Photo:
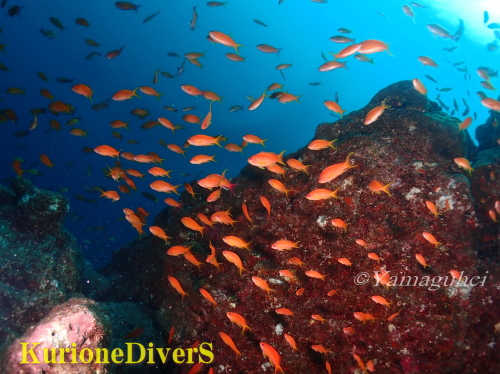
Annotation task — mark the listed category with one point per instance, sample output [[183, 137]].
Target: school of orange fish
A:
[[217, 183]]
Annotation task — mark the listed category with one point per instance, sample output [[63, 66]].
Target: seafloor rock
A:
[[75, 326], [39, 269], [486, 191], [488, 134], [429, 326]]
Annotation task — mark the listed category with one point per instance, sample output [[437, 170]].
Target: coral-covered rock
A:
[[79, 325], [430, 325]]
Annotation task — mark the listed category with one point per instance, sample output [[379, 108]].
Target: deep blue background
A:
[[301, 28]]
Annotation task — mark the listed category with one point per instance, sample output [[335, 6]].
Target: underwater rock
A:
[[80, 325], [38, 269], [37, 210], [429, 325], [488, 134], [486, 192]]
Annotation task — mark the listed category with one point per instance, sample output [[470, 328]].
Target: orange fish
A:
[[419, 86], [263, 159], [466, 123], [112, 195], [262, 284], [374, 256], [277, 185], [245, 212], [239, 320], [337, 222], [158, 232], [211, 258], [297, 165], [317, 317], [234, 241], [16, 165], [300, 291], [331, 65], [290, 340], [431, 239], [349, 331], [381, 300], [334, 107], [284, 311], [226, 339], [257, 102], [287, 274], [162, 186], [207, 121], [333, 171], [124, 95], [207, 296], [319, 144], [150, 91], [296, 261], [432, 208], [285, 245], [275, 86], [84, 90], [322, 194], [178, 250], [373, 46], [159, 172], [205, 140], [175, 148], [427, 61], [177, 286], [315, 274], [235, 259], [106, 150], [201, 159], [59, 106], [173, 203], [377, 187], [189, 189], [46, 161], [421, 260], [192, 225], [254, 139], [214, 196], [375, 113], [266, 48], [273, 355], [221, 38], [344, 261], [464, 164], [319, 348], [266, 205]]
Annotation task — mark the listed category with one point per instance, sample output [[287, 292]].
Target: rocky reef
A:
[[342, 297], [424, 328]]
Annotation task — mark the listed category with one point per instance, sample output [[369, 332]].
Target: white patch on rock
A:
[[278, 329], [322, 221], [411, 195]]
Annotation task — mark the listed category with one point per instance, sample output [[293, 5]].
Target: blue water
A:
[[301, 28]]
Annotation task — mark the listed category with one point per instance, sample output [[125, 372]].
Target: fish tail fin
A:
[[278, 51], [236, 46], [386, 189], [134, 92], [348, 164], [280, 158]]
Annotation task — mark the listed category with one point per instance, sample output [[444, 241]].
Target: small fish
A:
[[449, 49], [494, 26], [314, 83], [48, 33], [149, 18], [172, 54], [177, 286], [235, 108], [57, 23], [194, 19], [125, 5], [149, 196], [258, 22], [486, 17], [444, 89], [64, 80], [91, 55]]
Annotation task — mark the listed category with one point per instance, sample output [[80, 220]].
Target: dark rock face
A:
[[439, 328], [488, 134], [41, 265]]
